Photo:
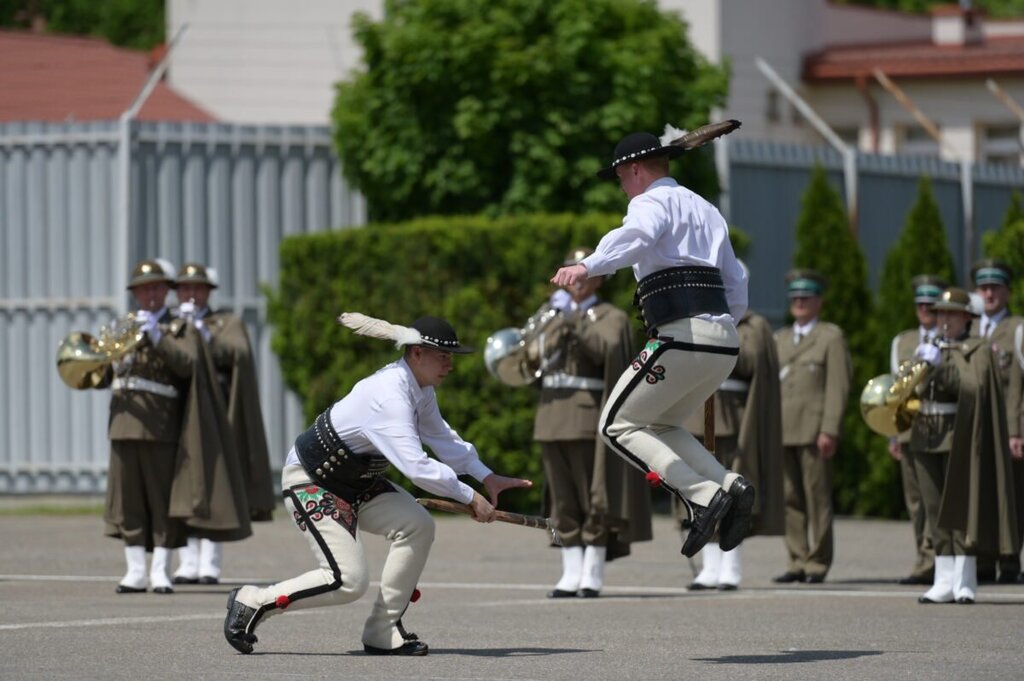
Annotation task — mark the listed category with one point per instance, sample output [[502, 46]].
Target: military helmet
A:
[[150, 271], [954, 299], [194, 273]]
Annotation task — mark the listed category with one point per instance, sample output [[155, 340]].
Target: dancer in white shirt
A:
[[691, 291], [334, 477]]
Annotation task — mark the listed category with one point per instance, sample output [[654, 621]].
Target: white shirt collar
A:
[[806, 328], [414, 387], [994, 319], [586, 304]]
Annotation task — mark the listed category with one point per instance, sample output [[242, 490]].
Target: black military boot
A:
[[736, 523], [240, 624], [705, 520]]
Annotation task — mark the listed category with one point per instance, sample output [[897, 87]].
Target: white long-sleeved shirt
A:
[[390, 413], [670, 226]]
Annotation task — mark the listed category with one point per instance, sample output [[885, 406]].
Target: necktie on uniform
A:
[[797, 337]]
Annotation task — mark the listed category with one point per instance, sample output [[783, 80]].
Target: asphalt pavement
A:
[[484, 613]]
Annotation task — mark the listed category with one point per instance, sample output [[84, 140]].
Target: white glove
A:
[[203, 330], [150, 324], [929, 353], [187, 310], [561, 300]]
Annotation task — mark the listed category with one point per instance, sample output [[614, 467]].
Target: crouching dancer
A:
[[333, 479], [691, 292]]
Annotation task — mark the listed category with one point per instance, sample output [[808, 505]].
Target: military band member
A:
[[228, 342], [927, 289], [599, 504], [964, 465], [815, 376], [333, 479], [992, 280], [148, 389], [691, 291], [748, 440]]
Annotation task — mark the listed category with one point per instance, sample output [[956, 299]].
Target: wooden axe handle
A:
[[503, 516]]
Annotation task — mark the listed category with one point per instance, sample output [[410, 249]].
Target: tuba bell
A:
[[519, 356], [889, 403], [83, 359]]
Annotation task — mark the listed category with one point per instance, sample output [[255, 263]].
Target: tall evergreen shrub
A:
[[1007, 243]]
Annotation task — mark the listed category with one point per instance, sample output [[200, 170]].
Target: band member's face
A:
[[151, 296], [197, 293], [953, 323], [926, 315], [585, 288], [996, 296], [804, 308], [429, 365]]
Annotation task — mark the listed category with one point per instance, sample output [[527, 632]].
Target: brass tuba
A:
[[890, 402], [83, 359], [518, 357]]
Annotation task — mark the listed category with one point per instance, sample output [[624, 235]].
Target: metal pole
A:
[[849, 154], [123, 233]]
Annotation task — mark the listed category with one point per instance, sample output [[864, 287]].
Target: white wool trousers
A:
[[670, 379], [341, 573]]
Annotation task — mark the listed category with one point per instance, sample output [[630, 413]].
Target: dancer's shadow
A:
[[790, 657], [469, 652]]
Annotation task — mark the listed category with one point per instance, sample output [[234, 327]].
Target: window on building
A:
[[915, 141], [771, 106], [1001, 143], [849, 134]]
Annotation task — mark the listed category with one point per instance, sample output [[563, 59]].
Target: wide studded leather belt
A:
[[331, 464], [680, 292]]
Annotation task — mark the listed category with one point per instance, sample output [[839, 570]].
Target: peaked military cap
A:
[[634, 147], [928, 288], [150, 271], [954, 299], [991, 271], [803, 283], [194, 273]]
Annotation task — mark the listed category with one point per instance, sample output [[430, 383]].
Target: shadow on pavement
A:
[[471, 652], [790, 657]]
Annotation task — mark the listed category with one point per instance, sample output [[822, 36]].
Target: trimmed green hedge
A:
[[481, 274]]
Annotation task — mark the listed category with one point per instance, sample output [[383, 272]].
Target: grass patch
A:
[[30, 509]]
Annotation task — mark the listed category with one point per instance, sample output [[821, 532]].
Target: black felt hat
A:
[[438, 333], [634, 147]]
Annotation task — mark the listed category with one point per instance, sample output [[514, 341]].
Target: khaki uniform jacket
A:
[[978, 497], [140, 415], [597, 344], [1005, 342], [815, 377], [236, 370]]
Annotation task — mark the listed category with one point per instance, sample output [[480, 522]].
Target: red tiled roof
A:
[[59, 78], [918, 60]]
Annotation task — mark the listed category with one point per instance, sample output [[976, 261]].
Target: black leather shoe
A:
[[561, 593], [790, 576], [589, 593], [736, 524], [416, 648], [1007, 578], [185, 580], [814, 579], [727, 587], [122, 589], [209, 580], [915, 579], [964, 600], [239, 624], [705, 521], [697, 586], [163, 590]]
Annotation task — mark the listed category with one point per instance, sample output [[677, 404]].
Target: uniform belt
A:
[[929, 408], [561, 379], [735, 385], [143, 385]]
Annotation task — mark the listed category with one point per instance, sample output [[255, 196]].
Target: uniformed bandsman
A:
[[964, 464], [815, 373], [599, 504], [927, 289], [1004, 331]]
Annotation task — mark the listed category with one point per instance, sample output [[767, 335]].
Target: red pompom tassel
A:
[[283, 602], [415, 596], [653, 479]]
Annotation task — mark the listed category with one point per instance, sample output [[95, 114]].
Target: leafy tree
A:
[[865, 477], [129, 23], [1007, 243], [994, 8], [921, 249], [512, 106]]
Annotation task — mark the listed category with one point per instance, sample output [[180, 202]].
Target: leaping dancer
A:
[[333, 479]]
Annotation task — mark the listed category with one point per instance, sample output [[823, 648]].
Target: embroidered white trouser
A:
[[342, 573], [669, 380]]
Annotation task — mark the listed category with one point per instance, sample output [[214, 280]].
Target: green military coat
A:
[[815, 377]]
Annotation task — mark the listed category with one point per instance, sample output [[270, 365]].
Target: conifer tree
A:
[[865, 480], [921, 249], [1007, 244]]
